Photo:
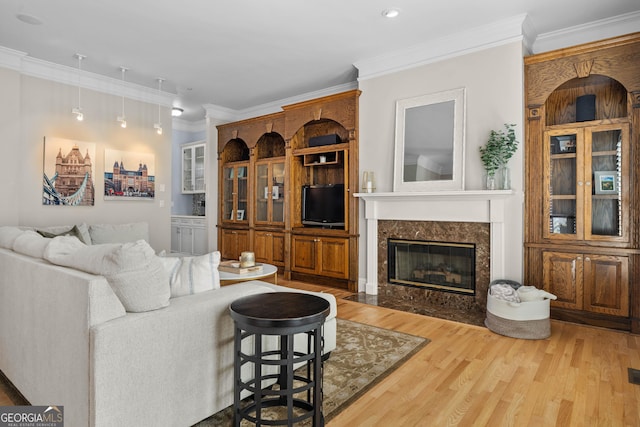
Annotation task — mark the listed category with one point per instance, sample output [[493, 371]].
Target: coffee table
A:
[[284, 314], [269, 273]]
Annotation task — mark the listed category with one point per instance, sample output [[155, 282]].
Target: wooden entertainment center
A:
[[265, 162]]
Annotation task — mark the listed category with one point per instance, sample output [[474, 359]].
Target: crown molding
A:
[[585, 33], [475, 39], [11, 59], [229, 115], [32, 67]]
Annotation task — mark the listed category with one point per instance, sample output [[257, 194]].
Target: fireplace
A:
[[475, 217], [436, 265]]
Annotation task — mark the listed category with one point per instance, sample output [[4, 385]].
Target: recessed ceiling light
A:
[[29, 19], [390, 13]]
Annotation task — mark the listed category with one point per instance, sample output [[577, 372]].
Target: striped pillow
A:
[[191, 275]]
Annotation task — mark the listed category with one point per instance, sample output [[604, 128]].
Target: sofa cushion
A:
[[132, 269], [52, 232], [8, 236], [191, 275], [119, 233], [30, 243]]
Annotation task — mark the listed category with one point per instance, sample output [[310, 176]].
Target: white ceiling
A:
[[242, 53]]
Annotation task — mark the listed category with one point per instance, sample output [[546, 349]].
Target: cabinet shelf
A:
[[325, 158], [563, 197]]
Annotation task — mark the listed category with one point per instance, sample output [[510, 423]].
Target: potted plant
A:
[[495, 154]]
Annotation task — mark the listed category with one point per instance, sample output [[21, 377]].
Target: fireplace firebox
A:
[[441, 266]]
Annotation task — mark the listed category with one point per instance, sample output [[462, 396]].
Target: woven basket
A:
[[527, 320]]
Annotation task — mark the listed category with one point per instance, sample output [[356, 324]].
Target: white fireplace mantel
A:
[[454, 206]]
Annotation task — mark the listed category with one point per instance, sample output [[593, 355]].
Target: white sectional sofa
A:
[[67, 339]]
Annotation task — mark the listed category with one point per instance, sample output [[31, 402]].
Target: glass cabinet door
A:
[[235, 190], [586, 182], [187, 171], [263, 192], [270, 192], [227, 193], [562, 200], [277, 192], [605, 167], [198, 168], [242, 194]]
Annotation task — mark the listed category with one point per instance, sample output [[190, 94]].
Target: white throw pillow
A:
[[132, 269], [8, 236], [191, 275], [30, 243], [65, 230], [119, 233]]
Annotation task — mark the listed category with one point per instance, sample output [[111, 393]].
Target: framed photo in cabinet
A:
[[566, 144], [605, 182], [240, 215], [561, 224]]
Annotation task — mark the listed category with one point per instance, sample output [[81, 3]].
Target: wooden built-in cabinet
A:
[[280, 157], [582, 181]]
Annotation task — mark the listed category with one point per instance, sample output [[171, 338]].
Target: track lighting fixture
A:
[[78, 110], [122, 119], [158, 126]]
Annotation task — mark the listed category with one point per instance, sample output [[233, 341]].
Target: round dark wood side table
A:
[[283, 314]]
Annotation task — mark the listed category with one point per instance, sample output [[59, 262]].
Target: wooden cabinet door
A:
[[562, 276], [334, 257], [304, 256], [233, 242], [262, 246], [606, 284], [277, 247], [269, 247]]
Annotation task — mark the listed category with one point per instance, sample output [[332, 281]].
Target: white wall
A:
[[45, 111], [493, 79], [11, 144]]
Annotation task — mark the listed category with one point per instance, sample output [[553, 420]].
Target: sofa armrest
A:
[[45, 315]]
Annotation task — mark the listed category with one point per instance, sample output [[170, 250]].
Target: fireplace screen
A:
[[437, 265]]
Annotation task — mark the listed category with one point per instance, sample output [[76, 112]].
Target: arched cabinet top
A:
[[234, 150], [250, 130], [616, 58], [341, 108]]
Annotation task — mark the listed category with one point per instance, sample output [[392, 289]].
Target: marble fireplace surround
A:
[[479, 206]]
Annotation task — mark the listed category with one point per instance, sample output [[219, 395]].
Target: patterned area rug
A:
[[364, 355]]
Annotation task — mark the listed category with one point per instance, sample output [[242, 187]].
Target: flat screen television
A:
[[323, 205]]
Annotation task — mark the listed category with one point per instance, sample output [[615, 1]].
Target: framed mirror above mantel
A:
[[430, 140]]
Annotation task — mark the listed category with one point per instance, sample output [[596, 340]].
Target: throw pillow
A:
[[8, 236], [30, 243], [191, 275], [73, 231], [119, 233], [132, 269]]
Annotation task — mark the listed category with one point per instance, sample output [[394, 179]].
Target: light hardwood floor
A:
[[469, 376]]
